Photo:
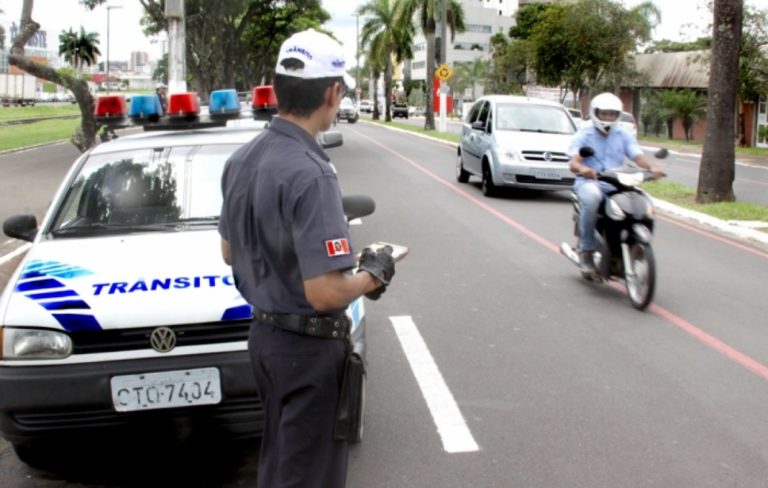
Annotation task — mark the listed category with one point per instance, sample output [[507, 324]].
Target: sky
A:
[[681, 20]]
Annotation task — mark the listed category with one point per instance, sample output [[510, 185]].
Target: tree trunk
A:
[[429, 121], [717, 169], [388, 89], [85, 137], [376, 112]]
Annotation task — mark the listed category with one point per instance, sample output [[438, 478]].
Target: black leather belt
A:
[[323, 326]]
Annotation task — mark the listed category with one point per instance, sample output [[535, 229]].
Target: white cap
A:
[[323, 57]]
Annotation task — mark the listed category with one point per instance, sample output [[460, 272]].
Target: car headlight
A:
[[34, 344], [508, 155], [613, 210]]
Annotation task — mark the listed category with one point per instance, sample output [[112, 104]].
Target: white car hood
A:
[[533, 141], [129, 281]]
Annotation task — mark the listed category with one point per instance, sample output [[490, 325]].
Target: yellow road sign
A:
[[444, 72]]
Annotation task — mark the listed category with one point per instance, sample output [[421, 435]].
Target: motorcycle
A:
[[623, 233]]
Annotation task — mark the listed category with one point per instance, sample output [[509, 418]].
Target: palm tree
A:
[[79, 49], [428, 12], [386, 36], [687, 105]]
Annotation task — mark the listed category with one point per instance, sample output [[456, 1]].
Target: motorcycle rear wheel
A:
[[640, 287]]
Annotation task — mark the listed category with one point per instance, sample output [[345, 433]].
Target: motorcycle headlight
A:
[[34, 344], [613, 211]]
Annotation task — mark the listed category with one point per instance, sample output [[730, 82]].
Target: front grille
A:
[[108, 417], [565, 182], [554, 157], [93, 341]]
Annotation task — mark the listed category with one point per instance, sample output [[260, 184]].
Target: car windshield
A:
[[144, 189], [626, 117], [533, 118], [347, 103]]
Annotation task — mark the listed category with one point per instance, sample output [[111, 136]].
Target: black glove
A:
[[380, 265]]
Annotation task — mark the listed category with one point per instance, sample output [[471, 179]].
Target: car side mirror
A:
[[330, 139], [356, 206], [477, 125], [22, 227], [661, 153]]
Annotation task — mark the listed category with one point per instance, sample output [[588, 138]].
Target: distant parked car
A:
[[626, 122], [399, 110], [347, 111], [366, 106]]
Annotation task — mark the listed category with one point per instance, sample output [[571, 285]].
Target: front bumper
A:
[[535, 175], [57, 402]]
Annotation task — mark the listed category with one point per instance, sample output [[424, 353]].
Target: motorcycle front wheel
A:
[[642, 281]]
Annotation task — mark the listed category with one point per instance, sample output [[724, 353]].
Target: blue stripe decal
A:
[[77, 322], [66, 305], [31, 274], [52, 294], [39, 285], [238, 313]]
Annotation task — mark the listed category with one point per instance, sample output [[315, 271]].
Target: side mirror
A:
[[661, 153], [22, 227], [356, 206], [330, 139], [586, 152], [477, 125]]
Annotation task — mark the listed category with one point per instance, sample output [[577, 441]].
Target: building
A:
[[483, 19], [139, 62]]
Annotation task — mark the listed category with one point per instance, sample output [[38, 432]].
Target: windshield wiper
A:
[[98, 228]]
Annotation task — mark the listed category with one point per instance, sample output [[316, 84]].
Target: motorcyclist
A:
[[612, 145]]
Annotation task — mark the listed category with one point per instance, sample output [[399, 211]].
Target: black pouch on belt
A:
[[349, 410]]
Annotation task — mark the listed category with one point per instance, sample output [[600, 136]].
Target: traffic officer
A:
[[285, 234]]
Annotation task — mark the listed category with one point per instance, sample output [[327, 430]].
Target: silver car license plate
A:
[[548, 175], [167, 389]]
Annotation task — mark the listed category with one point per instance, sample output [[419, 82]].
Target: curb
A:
[[728, 227]]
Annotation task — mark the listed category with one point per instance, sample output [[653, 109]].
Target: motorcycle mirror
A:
[[586, 152], [661, 153], [356, 206]]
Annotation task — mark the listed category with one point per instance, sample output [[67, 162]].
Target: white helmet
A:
[[605, 101]]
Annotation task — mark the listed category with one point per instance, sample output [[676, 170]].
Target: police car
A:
[[123, 309]]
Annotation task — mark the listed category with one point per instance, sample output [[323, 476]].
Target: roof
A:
[[519, 99], [675, 70], [197, 137]]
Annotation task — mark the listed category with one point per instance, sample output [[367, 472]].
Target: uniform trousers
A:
[[298, 378]]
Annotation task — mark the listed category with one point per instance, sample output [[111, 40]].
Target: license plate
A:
[[548, 175], [167, 389]]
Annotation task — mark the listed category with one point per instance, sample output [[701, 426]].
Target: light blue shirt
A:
[[610, 152]]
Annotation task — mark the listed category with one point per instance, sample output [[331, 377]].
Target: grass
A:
[[23, 135], [20, 113], [685, 196]]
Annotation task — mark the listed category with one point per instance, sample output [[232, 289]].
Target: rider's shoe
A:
[[587, 264]]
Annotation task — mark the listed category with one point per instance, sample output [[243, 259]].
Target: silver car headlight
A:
[[35, 344], [508, 155], [613, 211]]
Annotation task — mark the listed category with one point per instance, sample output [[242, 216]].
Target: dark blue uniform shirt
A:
[[283, 218]]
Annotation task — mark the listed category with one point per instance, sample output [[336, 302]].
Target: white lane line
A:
[[450, 424], [7, 257]]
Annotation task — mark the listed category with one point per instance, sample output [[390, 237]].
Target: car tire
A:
[[489, 189], [462, 176], [35, 456]]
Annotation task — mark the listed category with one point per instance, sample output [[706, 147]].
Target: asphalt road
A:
[[491, 363]]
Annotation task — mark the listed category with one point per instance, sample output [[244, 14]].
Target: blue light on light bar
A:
[[224, 102], [145, 107]]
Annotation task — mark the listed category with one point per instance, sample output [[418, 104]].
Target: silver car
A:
[[521, 142]]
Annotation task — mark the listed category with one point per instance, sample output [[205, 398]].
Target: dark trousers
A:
[[298, 378]]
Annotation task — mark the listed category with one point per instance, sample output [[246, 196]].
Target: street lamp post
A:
[[358, 89], [109, 8]]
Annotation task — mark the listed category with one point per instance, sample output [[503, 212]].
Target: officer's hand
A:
[[381, 265]]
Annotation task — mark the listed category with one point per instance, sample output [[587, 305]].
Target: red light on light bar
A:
[[183, 104], [264, 97], [110, 106]]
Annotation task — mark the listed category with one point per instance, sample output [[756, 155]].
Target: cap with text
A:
[[323, 57]]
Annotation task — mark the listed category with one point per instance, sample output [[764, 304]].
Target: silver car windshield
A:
[[144, 189], [533, 118]]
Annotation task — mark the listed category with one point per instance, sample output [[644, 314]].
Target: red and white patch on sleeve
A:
[[337, 247]]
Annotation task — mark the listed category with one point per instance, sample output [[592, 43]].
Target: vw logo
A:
[[162, 339], [547, 156]]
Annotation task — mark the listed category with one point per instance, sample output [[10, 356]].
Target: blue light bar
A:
[[145, 107], [224, 103]]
